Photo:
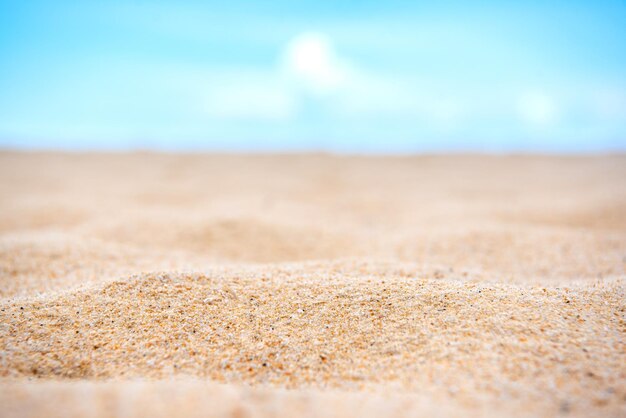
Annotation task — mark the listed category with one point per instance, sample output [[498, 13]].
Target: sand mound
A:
[[338, 327], [44, 262], [439, 286]]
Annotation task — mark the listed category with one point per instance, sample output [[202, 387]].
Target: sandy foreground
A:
[[312, 285]]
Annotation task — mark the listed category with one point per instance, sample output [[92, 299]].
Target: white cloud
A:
[[310, 61], [310, 66], [537, 108]]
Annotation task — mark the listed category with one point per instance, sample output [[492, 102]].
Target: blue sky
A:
[[313, 75]]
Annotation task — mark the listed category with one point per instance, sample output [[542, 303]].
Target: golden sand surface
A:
[[147, 284]]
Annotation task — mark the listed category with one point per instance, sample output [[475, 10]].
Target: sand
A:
[[147, 284]]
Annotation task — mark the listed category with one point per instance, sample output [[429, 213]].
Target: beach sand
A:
[[147, 284]]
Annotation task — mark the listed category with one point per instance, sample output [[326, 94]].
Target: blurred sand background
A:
[[313, 285]]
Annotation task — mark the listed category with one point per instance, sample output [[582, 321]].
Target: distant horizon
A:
[[313, 151]]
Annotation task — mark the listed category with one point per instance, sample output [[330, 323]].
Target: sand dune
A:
[[221, 285]]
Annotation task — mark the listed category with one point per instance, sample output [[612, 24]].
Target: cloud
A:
[[311, 74], [308, 69], [310, 62], [537, 108]]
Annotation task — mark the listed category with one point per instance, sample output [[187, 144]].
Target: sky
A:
[[342, 76]]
